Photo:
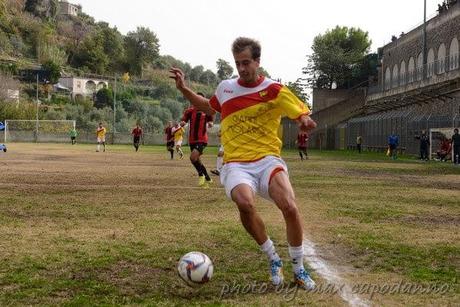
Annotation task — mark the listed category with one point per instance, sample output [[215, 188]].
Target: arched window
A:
[[395, 82], [419, 66], [402, 73], [441, 59], [411, 70], [387, 78], [430, 63], [101, 85], [453, 54], [90, 87]]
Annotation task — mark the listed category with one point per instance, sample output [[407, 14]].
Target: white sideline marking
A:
[[330, 275]]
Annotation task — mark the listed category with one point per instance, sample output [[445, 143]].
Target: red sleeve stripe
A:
[[215, 104]]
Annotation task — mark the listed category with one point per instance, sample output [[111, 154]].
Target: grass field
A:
[[84, 228]]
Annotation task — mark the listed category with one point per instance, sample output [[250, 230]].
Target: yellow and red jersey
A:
[[178, 133], [251, 116], [100, 132]]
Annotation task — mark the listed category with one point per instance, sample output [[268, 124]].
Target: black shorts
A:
[[72, 137], [198, 146], [136, 139], [170, 145]]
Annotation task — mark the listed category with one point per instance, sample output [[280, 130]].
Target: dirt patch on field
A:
[[453, 220]]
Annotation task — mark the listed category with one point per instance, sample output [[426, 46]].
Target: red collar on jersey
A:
[[253, 84]]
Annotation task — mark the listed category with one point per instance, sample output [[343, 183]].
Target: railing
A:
[[438, 67]]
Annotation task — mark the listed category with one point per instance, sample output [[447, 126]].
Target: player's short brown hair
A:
[[241, 43]]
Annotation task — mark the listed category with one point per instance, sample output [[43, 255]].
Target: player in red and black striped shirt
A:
[[169, 139], [198, 140], [302, 142]]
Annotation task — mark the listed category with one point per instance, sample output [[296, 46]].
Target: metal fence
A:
[[407, 124]]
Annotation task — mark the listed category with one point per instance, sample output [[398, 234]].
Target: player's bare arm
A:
[[306, 124], [199, 102]]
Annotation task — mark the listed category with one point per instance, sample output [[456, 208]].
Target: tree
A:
[[299, 89], [208, 77], [142, 47], [335, 55], [263, 72], [224, 70], [91, 54], [104, 98], [42, 8], [53, 71], [196, 72], [113, 46]]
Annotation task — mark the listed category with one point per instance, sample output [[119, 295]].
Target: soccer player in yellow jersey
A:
[[100, 134], [178, 132], [251, 108]]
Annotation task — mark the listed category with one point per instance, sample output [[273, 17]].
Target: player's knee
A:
[[288, 205], [245, 205]]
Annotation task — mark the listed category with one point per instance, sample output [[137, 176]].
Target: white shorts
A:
[[255, 174], [178, 143], [101, 140]]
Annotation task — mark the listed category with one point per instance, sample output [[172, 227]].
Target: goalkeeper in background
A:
[[73, 135]]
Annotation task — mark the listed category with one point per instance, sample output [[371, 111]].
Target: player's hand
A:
[[306, 124], [178, 76]]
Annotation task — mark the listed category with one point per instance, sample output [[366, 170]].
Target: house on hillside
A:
[[81, 87], [66, 8]]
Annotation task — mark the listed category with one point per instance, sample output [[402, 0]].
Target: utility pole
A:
[[114, 109], [424, 65], [36, 121]]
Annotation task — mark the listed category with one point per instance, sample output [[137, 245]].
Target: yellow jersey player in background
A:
[[251, 108], [100, 134], [178, 133]]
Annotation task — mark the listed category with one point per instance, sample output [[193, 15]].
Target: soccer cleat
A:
[[201, 181], [276, 272], [304, 281], [215, 172], [209, 181]]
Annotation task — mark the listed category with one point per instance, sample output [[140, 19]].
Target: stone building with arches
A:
[[412, 94], [83, 87]]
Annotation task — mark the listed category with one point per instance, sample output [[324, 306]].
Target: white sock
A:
[[296, 254], [269, 248], [220, 161], [98, 147]]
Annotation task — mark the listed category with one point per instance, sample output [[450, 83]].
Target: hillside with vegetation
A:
[[36, 39]]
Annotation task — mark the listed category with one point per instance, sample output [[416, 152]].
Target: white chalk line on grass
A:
[[331, 275]]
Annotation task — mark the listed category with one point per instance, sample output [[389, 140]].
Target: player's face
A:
[[246, 66]]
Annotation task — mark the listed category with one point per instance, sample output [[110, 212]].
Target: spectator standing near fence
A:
[[393, 143], [456, 147], [359, 141], [424, 145]]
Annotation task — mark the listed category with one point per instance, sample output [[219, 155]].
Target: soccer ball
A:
[[195, 268]]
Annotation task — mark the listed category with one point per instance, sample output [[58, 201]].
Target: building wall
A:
[[324, 98], [66, 8], [441, 29], [328, 119], [79, 86]]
